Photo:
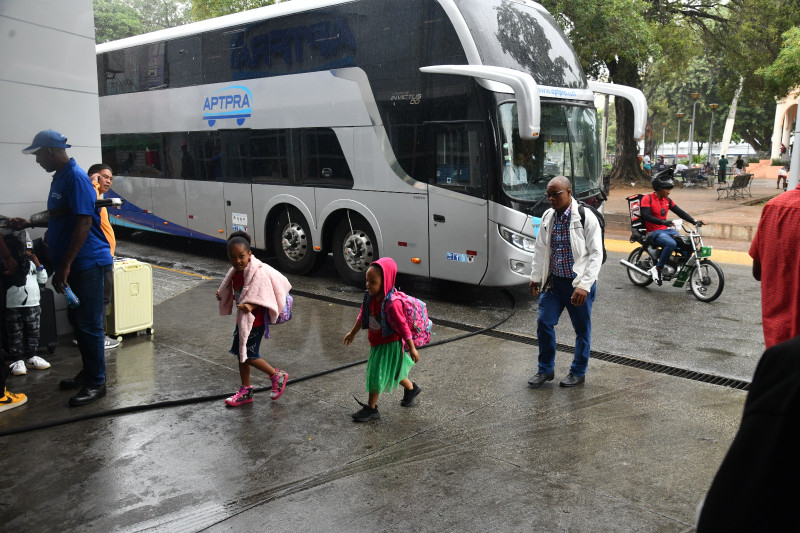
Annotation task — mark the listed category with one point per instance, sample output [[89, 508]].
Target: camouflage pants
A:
[[22, 328]]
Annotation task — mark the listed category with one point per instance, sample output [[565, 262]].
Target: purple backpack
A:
[[416, 314], [286, 313]]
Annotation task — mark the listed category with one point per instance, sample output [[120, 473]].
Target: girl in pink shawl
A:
[[388, 363], [260, 294]]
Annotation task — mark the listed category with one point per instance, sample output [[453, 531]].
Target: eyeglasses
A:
[[555, 194]]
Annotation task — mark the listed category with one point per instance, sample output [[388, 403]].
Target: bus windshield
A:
[[568, 145]]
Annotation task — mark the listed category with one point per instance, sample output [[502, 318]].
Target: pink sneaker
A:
[[243, 396], [278, 383]]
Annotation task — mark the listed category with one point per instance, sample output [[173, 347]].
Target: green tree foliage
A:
[[750, 41], [783, 74], [206, 9], [117, 19]]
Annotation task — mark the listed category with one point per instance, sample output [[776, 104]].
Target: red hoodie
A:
[[394, 310]]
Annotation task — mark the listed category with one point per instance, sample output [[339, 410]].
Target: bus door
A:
[[457, 206]]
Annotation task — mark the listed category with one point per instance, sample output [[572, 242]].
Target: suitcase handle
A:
[[128, 267]]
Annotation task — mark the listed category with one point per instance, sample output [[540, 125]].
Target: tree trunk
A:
[[626, 163]]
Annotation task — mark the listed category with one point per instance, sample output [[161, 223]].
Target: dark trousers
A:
[[22, 328], [87, 319], [721, 175]]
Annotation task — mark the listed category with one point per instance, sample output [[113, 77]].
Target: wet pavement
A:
[[630, 450]]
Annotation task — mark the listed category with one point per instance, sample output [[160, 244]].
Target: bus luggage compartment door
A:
[[458, 240]]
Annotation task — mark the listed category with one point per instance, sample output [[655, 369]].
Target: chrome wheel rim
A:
[[294, 241], [357, 250]]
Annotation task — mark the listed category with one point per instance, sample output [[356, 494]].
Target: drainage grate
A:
[[625, 360]]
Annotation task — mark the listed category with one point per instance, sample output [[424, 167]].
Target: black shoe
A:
[[88, 394], [409, 395], [71, 383], [538, 380], [366, 413], [571, 380]]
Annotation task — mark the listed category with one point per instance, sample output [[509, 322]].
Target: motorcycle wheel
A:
[[642, 259], [707, 281]]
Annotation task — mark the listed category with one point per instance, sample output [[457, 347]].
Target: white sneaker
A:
[[656, 275], [18, 368], [111, 343], [37, 362]]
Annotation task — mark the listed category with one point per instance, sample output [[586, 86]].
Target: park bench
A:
[[693, 177], [738, 188]]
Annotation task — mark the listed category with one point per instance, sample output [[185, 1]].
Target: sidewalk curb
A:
[[728, 257]]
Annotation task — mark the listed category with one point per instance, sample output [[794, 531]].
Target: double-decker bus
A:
[[423, 130]]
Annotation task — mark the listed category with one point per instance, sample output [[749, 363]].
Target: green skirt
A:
[[387, 366]]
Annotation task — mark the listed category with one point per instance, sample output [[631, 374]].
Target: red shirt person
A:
[[774, 253]]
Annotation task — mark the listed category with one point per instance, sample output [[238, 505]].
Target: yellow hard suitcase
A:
[[132, 302]]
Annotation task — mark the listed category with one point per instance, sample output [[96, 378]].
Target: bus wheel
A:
[[291, 240], [354, 248]]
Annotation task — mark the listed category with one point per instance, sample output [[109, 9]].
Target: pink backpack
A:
[[416, 313]]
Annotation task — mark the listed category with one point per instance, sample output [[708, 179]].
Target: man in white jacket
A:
[[566, 262]]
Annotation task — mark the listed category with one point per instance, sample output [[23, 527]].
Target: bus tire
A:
[[354, 248], [291, 241]]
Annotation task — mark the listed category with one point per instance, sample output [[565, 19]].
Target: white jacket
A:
[[27, 295], [586, 244]]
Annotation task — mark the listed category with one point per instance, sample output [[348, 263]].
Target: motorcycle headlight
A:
[[523, 242]]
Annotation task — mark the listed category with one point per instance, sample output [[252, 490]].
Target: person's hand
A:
[[218, 296], [59, 278], [413, 351], [534, 288], [699, 223], [247, 308], [32, 257], [578, 297], [17, 223], [348, 339]]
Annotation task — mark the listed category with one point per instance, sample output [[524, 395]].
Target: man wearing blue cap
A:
[[81, 257]]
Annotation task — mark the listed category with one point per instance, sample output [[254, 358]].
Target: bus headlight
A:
[[523, 242]]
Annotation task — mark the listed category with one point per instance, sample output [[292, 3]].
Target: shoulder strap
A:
[[582, 213]]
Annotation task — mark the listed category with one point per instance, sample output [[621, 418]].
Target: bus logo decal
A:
[[233, 102]]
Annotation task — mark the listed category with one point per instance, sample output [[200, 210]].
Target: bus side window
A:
[[323, 161], [458, 159], [269, 156]]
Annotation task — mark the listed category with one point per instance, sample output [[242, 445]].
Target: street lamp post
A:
[[678, 138], [694, 96], [663, 134], [711, 129]]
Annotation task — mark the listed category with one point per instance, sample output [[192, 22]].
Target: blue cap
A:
[[46, 139]]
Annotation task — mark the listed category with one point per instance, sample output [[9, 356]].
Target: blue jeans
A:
[[664, 238], [551, 305], [87, 319]]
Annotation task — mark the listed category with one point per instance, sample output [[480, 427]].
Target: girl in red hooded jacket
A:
[[388, 363]]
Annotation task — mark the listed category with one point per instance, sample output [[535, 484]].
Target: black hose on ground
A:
[[214, 397]]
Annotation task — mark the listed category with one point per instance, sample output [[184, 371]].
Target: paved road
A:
[[659, 324]]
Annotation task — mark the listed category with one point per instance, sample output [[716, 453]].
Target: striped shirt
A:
[[561, 260]]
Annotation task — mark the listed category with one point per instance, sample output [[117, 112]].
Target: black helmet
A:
[[662, 181]]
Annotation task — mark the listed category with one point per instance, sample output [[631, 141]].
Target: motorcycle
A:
[[689, 263]]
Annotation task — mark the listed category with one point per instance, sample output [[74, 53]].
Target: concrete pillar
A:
[[777, 129]]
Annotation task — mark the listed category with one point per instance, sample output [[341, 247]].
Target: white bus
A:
[[422, 130]]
